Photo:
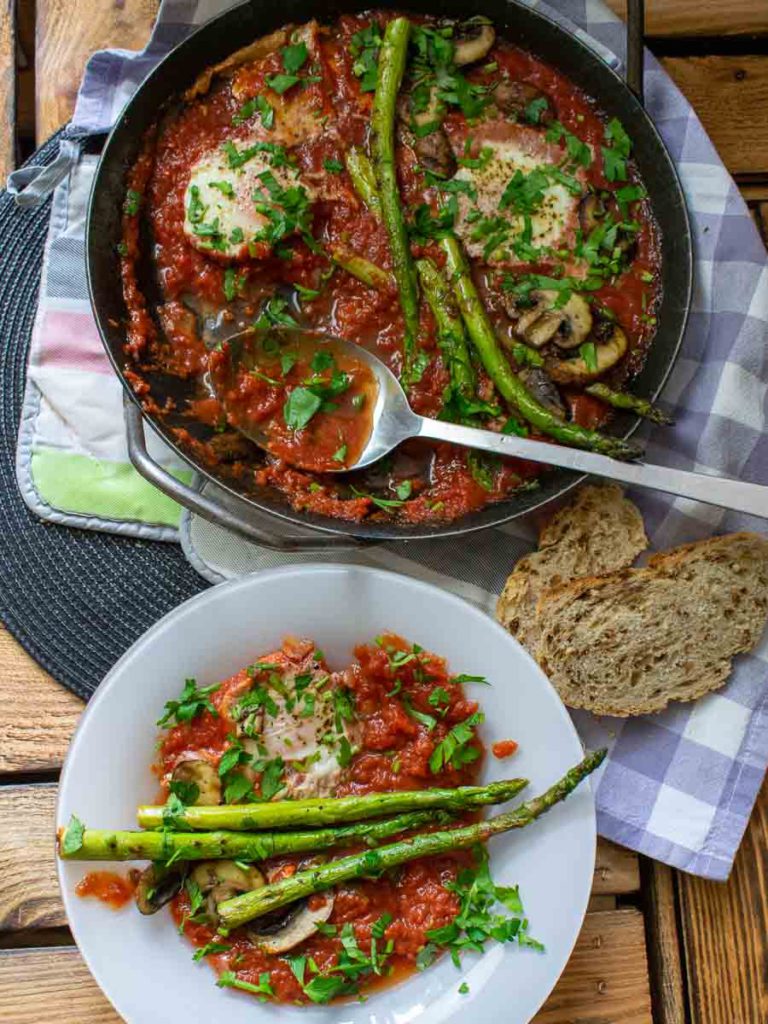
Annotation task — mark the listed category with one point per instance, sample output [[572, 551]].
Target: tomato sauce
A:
[[107, 886], [319, 121]]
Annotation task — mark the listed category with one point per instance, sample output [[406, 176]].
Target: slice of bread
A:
[[597, 532], [631, 642]]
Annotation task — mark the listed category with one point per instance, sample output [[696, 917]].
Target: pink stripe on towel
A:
[[69, 340]]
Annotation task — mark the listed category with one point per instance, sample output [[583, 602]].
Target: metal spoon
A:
[[393, 421]]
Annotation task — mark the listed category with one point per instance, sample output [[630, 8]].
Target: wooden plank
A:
[[37, 715], [606, 979], [665, 18], [600, 988], [68, 31], [45, 984], [664, 943], [29, 895], [7, 88], [725, 929], [616, 869], [728, 93]]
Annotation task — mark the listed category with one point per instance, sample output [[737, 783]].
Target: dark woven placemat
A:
[[75, 599]]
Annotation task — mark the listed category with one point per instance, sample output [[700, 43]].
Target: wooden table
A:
[[657, 946]]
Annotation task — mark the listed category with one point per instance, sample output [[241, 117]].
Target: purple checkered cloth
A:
[[677, 786]]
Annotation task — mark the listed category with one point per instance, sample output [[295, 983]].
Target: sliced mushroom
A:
[[220, 880], [608, 351], [433, 150], [204, 776], [592, 210], [513, 98], [473, 41], [157, 886], [567, 325], [541, 387], [281, 935]]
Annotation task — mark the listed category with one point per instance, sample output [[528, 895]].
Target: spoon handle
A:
[[724, 492]]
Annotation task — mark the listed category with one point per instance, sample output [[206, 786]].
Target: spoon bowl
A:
[[387, 420]]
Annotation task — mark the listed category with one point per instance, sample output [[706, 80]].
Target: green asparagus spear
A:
[[237, 911], [450, 329], [364, 270], [623, 400], [331, 811], [98, 844], [392, 60], [360, 170], [510, 386]]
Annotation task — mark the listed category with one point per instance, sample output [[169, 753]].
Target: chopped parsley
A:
[[616, 153], [294, 56], [486, 911], [333, 166], [364, 47], [209, 949], [428, 721], [455, 749], [588, 353], [404, 489], [282, 83], [275, 313], [225, 187], [233, 282], [228, 979], [340, 454], [288, 210], [257, 105], [72, 840], [533, 111], [237, 158], [132, 203], [578, 152], [191, 703], [301, 406]]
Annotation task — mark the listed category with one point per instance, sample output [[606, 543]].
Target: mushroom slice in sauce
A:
[[157, 886], [220, 880], [567, 325], [608, 352], [294, 928], [473, 41], [204, 776], [513, 98]]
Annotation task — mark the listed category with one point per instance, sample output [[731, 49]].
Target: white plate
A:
[[142, 964]]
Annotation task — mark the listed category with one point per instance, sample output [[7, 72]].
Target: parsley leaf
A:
[[72, 840], [426, 720], [228, 979], [334, 166], [132, 202], [455, 749], [301, 406], [258, 104], [294, 56], [588, 353], [191, 703], [282, 83], [364, 47], [208, 949]]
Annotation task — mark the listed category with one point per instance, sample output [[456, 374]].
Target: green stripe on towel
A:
[[106, 490]]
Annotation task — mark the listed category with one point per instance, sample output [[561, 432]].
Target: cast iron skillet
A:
[[238, 26]]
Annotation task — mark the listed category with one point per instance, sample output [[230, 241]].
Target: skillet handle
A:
[[635, 39], [203, 506]]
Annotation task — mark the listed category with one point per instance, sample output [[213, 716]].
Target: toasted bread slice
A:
[[631, 642], [597, 532]]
